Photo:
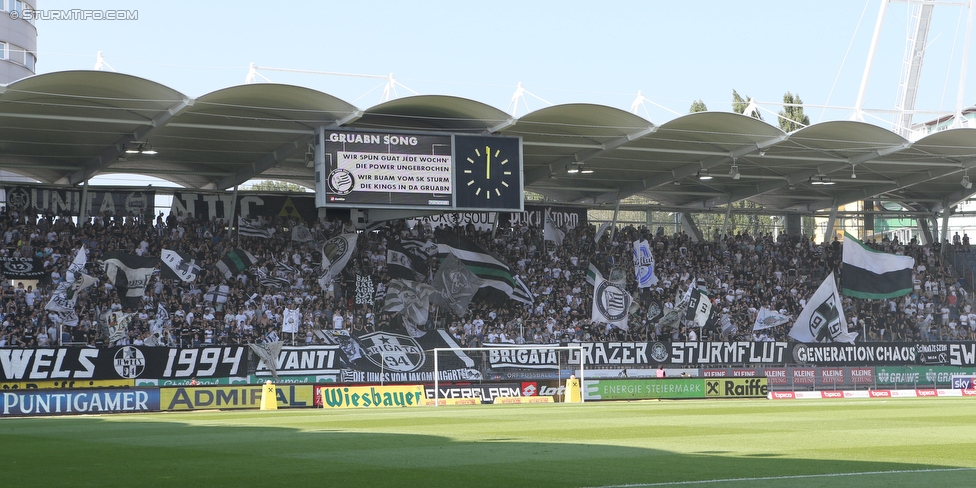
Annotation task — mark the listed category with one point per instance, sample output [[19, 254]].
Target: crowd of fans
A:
[[741, 272]]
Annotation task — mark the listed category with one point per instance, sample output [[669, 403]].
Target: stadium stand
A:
[[741, 273]]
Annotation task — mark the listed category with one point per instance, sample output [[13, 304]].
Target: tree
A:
[[791, 118], [697, 106], [739, 105], [274, 185]]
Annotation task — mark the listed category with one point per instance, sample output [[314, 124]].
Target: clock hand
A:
[[487, 163]]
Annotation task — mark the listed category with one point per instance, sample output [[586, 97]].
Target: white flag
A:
[[301, 233], [335, 255], [290, 320], [644, 264], [822, 320], [699, 308], [599, 232], [611, 303], [552, 233], [767, 319]]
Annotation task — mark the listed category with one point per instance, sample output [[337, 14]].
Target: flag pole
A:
[[233, 217]]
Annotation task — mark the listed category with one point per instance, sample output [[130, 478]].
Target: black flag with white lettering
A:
[[130, 274]]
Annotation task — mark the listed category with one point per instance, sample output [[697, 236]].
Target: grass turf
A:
[[836, 443]]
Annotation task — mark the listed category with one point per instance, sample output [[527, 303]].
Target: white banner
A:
[[401, 173]]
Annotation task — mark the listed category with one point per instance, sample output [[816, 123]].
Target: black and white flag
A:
[[699, 308], [179, 265], [217, 294], [364, 290], [271, 281], [456, 285], [412, 301], [404, 264], [335, 255], [65, 297], [284, 266], [301, 233], [130, 274], [611, 302], [249, 228], [822, 319]]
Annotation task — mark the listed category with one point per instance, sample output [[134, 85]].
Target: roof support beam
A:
[[502, 126], [688, 170], [110, 154], [900, 184], [562, 164], [263, 163], [238, 128], [71, 118], [799, 177]]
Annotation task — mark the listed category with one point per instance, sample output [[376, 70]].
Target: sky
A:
[[561, 52]]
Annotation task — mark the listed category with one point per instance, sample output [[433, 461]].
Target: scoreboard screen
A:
[[426, 171]]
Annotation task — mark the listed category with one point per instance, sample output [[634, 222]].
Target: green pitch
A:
[[753, 443]]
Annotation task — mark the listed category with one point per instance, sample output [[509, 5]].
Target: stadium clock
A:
[[489, 172]]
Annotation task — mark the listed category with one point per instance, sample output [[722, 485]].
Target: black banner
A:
[[536, 357], [130, 362], [534, 215], [836, 354], [60, 201], [21, 268], [739, 352], [400, 358], [962, 353], [249, 205], [933, 353], [391, 357]]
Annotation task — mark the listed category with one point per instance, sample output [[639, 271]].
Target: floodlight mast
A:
[[576, 347]]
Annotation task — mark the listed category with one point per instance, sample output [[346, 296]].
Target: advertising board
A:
[[232, 397]]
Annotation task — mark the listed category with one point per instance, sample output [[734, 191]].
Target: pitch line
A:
[[791, 477]]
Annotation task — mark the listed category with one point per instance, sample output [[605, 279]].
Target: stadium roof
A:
[[63, 128]]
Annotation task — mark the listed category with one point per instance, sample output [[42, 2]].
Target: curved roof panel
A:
[[65, 127], [432, 113]]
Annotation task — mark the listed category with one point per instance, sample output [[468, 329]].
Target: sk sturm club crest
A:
[[18, 198], [129, 362], [612, 301], [136, 202], [393, 352], [659, 352]]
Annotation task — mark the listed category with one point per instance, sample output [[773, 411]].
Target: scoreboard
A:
[[424, 171]]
